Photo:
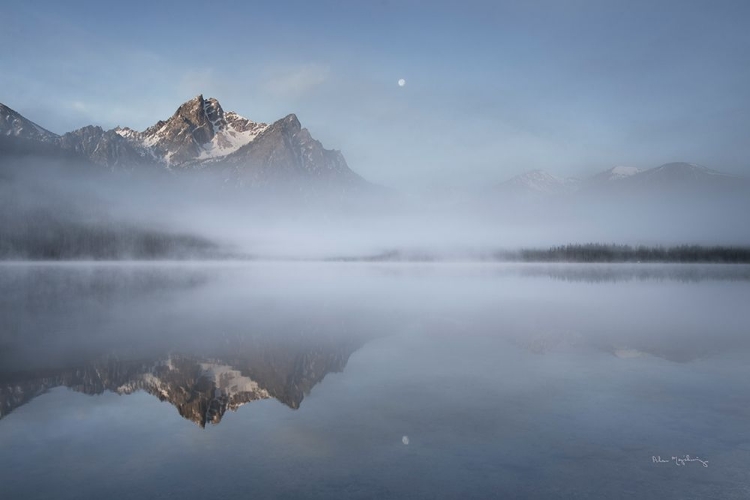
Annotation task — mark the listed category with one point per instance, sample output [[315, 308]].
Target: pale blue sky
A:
[[493, 88]]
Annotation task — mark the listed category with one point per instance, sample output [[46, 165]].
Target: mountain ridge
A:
[[13, 124], [200, 135], [668, 176]]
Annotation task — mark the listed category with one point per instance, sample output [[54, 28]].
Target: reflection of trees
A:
[[648, 272]]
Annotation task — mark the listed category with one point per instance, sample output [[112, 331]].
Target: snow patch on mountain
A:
[[227, 140], [620, 172], [539, 181], [128, 133], [230, 381]]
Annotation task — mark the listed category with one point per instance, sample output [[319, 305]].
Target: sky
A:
[[492, 89]]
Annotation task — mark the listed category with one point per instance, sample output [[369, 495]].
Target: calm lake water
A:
[[302, 380]]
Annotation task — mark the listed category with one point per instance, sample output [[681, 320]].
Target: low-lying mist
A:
[[64, 210]]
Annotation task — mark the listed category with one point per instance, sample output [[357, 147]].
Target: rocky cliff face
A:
[[285, 152], [105, 147]]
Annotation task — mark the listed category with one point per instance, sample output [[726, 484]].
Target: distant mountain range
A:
[[199, 135], [670, 177]]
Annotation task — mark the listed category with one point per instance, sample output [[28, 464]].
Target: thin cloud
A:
[[298, 81]]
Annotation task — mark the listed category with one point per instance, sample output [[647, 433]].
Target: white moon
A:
[[401, 82], [405, 439]]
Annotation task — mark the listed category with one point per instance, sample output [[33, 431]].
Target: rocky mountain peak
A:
[[196, 110], [108, 148], [291, 122], [200, 134], [285, 153], [14, 124], [198, 130]]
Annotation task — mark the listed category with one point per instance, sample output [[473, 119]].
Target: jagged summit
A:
[[201, 135], [198, 130]]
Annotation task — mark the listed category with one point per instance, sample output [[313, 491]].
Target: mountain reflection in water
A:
[[201, 388], [508, 381], [211, 338], [185, 334]]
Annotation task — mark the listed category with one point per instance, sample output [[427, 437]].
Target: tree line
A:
[[597, 252]]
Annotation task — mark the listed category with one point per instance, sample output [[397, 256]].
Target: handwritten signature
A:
[[678, 461]]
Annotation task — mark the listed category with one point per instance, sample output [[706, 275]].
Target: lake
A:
[[359, 380]]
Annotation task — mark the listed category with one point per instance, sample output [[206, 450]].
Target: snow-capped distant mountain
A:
[[615, 174], [607, 179], [670, 177], [620, 172], [681, 171], [12, 124], [679, 177], [538, 181]]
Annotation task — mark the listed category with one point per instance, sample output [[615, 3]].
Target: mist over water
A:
[[57, 210], [273, 325], [375, 250]]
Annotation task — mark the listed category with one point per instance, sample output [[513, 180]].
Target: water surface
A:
[[284, 380]]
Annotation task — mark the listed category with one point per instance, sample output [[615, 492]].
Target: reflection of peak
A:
[[201, 388], [201, 392]]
